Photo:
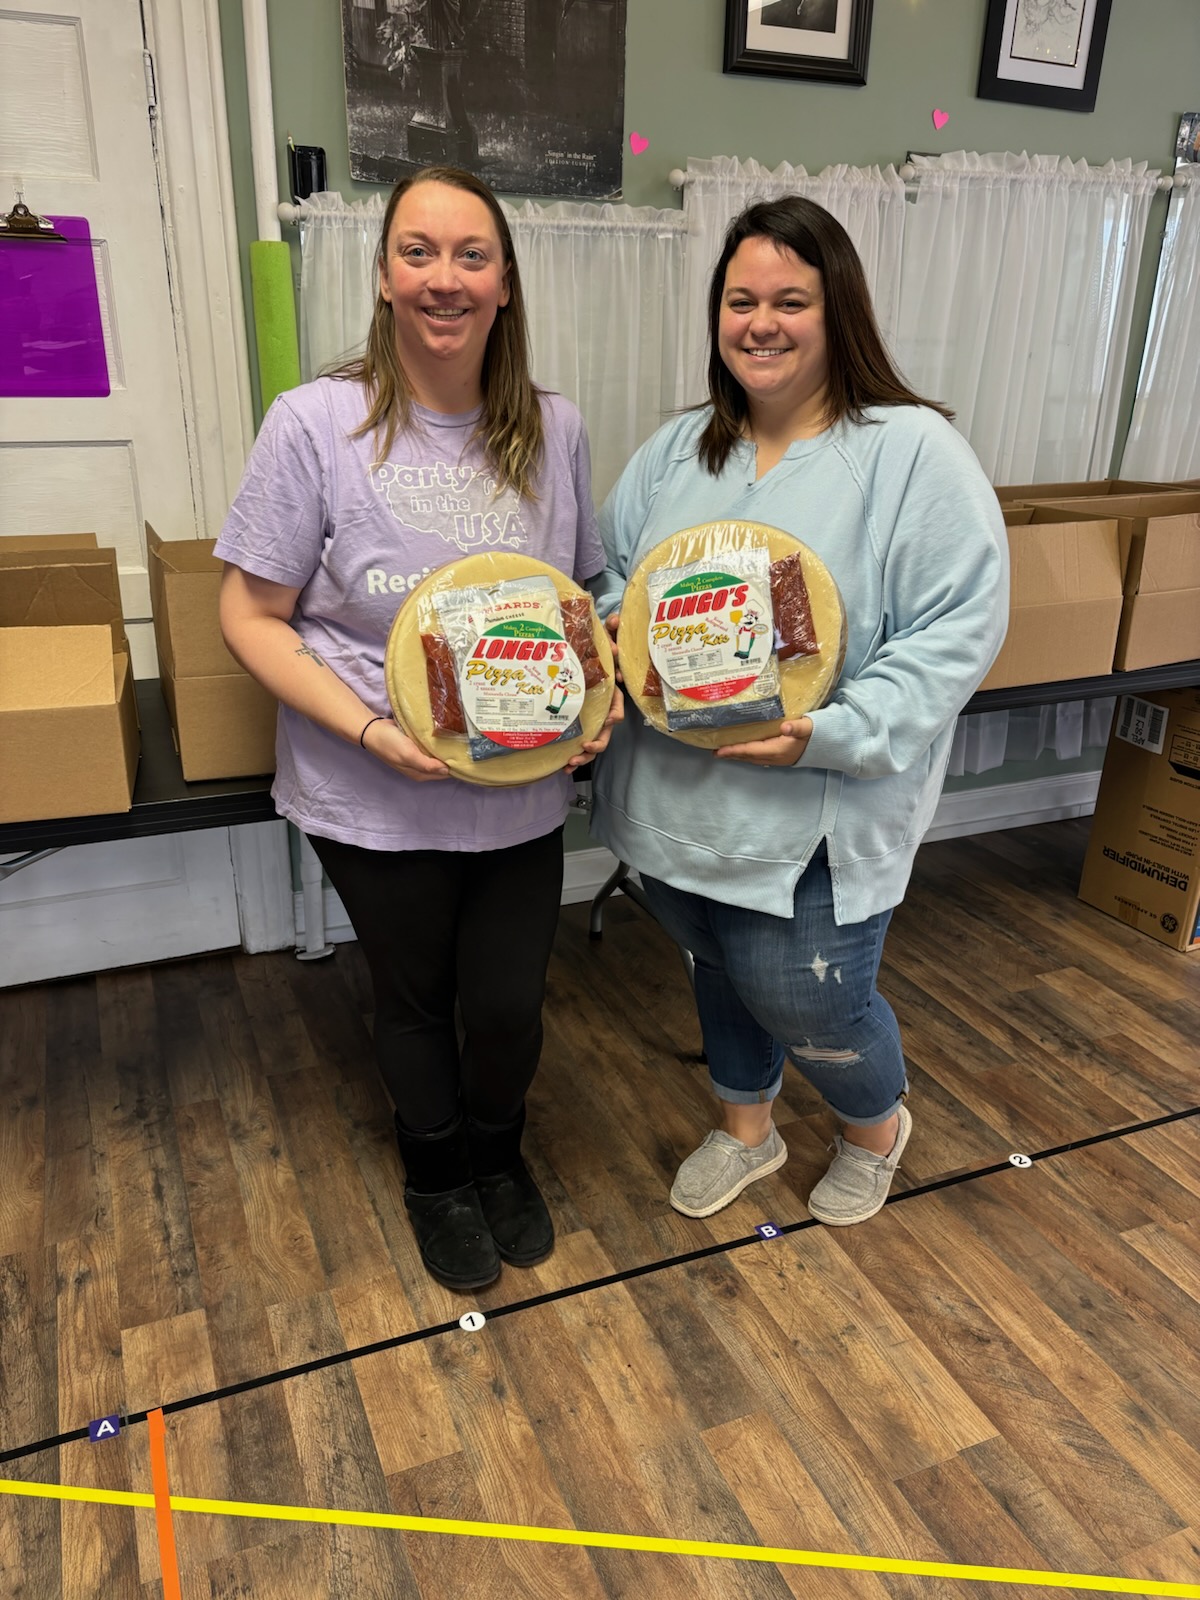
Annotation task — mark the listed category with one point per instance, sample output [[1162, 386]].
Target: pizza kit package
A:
[[729, 629], [518, 679], [498, 666], [1143, 856], [711, 641]]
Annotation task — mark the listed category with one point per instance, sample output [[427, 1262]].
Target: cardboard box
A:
[[1143, 858], [1160, 552], [68, 713], [1065, 598], [1011, 493], [222, 720]]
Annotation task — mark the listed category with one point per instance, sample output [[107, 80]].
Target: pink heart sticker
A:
[[637, 144], [940, 119]]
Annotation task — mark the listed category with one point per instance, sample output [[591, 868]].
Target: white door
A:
[[78, 128]]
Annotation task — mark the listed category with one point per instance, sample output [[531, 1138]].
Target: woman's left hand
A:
[[596, 746], [784, 750]]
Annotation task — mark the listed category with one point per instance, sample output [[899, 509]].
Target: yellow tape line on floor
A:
[[612, 1541]]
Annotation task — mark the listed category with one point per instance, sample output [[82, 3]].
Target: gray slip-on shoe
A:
[[721, 1168]]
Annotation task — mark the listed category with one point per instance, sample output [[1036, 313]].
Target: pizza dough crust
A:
[[806, 681], [405, 675]]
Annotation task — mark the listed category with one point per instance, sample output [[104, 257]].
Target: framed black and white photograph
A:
[[824, 41], [1044, 52], [1187, 141], [527, 94]]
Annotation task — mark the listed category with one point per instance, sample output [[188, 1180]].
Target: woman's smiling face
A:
[[445, 278], [771, 330]]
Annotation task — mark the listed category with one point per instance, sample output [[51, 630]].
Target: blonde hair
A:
[[510, 425]]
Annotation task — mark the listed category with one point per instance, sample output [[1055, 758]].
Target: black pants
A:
[[438, 926]]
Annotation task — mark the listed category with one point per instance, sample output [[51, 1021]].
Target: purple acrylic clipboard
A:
[[51, 336]]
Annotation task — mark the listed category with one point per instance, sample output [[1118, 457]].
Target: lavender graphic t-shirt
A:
[[313, 512]]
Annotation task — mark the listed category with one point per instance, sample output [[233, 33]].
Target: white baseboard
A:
[[583, 873], [1002, 805], [1014, 805], [337, 923]]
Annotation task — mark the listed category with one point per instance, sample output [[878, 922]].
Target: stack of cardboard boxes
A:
[[68, 716], [1062, 538], [223, 721], [68, 711], [1106, 577], [1143, 858]]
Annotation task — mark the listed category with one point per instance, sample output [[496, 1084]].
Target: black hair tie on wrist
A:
[[363, 734]]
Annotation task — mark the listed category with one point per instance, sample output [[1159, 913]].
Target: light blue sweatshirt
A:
[[901, 513]]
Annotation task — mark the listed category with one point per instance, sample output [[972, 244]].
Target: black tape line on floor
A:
[[416, 1335]]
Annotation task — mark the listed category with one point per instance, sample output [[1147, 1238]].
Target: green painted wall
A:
[[924, 54]]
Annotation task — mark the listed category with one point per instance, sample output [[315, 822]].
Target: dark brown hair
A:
[[511, 422], [861, 373]]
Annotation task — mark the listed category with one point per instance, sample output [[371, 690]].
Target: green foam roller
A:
[[274, 317]]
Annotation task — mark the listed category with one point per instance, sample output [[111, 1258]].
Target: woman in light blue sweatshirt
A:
[[777, 863]]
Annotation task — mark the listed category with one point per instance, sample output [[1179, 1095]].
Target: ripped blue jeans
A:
[[800, 989]]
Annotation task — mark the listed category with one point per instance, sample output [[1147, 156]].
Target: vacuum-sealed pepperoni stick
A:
[[445, 702]]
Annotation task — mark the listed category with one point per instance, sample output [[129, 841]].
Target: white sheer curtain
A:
[[603, 294], [868, 202], [602, 288], [1164, 434], [339, 244], [990, 738], [1016, 298]]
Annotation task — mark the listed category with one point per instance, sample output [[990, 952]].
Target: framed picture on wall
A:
[[1187, 141], [825, 41], [1044, 52], [527, 94]]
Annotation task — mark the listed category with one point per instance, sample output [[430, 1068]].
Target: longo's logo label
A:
[[711, 635], [521, 684]]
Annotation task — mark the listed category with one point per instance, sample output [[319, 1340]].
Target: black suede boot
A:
[[452, 1233], [512, 1202]]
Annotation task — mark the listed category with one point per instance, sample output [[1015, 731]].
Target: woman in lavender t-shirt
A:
[[434, 445]]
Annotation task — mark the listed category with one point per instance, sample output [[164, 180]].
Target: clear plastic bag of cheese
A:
[[497, 665], [728, 630]]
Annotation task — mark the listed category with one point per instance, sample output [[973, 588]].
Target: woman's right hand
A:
[[388, 743]]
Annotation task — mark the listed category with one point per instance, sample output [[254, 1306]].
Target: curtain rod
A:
[[679, 179], [667, 221]]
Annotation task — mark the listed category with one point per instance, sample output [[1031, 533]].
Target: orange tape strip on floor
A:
[[168, 1558]]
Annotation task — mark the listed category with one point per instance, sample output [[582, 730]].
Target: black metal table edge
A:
[[163, 802], [1173, 675]]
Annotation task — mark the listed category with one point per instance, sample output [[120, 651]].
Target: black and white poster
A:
[[527, 94]]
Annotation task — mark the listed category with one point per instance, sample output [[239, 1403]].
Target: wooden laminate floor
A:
[[198, 1190]]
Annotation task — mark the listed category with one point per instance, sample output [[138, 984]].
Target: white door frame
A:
[[196, 182]]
